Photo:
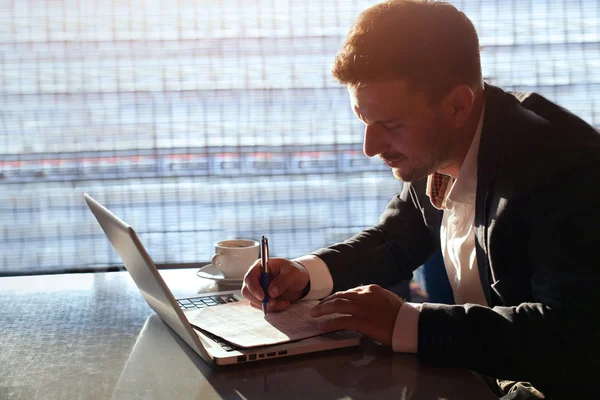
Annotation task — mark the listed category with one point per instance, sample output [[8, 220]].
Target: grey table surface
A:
[[92, 336]]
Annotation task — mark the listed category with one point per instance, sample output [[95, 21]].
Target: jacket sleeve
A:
[[553, 339], [385, 253]]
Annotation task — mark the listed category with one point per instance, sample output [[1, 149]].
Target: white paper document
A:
[[245, 326]]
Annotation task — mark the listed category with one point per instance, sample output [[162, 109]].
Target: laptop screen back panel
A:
[[145, 274]]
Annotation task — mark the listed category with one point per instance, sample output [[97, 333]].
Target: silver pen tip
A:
[[264, 307]]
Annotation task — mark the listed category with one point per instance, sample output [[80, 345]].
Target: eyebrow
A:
[[382, 122], [379, 122]]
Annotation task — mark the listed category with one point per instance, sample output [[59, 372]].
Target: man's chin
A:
[[408, 176]]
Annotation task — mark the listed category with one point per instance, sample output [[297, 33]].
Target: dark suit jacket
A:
[[537, 221]]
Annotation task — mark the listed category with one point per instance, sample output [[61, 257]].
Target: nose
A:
[[375, 141]]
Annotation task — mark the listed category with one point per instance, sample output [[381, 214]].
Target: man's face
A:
[[402, 128]]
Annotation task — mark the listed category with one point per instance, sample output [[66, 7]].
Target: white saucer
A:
[[211, 272]]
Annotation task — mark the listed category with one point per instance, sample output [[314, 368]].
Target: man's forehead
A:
[[378, 90], [381, 96]]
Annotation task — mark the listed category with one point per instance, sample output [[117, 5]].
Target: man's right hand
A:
[[287, 282]]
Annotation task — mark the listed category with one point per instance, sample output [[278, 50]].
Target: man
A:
[[505, 184]]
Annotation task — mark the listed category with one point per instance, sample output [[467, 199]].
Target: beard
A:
[[438, 156], [413, 174], [416, 172]]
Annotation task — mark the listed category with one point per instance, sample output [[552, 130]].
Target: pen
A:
[[264, 271]]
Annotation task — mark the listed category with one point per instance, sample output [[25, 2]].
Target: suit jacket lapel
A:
[[494, 124]]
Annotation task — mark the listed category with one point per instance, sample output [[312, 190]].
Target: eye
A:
[[392, 127]]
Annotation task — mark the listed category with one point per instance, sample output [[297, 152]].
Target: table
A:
[[92, 336]]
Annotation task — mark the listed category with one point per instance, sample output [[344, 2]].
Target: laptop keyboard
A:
[[194, 303], [206, 301]]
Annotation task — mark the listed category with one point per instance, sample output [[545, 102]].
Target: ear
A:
[[458, 105]]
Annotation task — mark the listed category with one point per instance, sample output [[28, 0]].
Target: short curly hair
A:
[[429, 43]]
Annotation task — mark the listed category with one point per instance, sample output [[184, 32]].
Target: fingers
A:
[[351, 294], [289, 278], [371, 310], [346, 323], [273, 306], [251, 288], [282, 275], [363, 325], [250, 296], [337, 305]]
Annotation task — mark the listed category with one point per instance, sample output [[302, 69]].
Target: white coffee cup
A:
[[234, 257]]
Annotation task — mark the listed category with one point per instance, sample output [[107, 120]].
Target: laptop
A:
[[174, 312], [162, 366]]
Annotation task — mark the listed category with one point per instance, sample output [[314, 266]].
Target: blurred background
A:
[[201, 120]]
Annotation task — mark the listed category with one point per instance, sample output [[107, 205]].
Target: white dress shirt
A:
[[457, 232]]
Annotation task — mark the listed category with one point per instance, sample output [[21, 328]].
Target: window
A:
[[200, 121]]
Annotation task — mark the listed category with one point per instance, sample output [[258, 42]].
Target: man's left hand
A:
[[372, 311]]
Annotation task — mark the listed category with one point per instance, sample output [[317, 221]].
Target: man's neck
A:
[[464, 138]]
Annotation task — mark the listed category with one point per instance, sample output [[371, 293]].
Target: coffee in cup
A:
[[234, 257]]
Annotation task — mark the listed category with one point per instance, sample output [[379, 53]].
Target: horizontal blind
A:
[[199, 121]]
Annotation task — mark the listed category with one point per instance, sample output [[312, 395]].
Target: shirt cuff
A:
[[321, 282], [405, 338]]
